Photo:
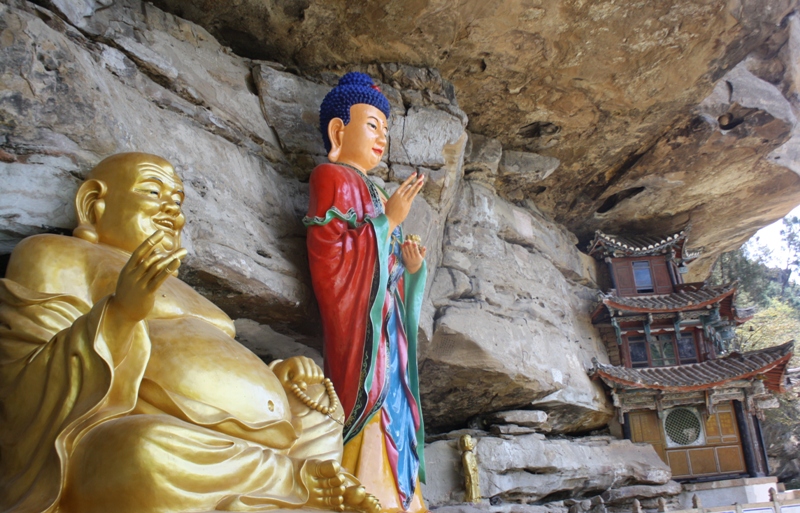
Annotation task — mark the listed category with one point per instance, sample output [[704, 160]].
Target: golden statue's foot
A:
[[325, 483], [357, 498]]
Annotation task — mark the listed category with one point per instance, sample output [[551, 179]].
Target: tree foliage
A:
[[773, 289], [779, 322], [791, 238], [758, 283]]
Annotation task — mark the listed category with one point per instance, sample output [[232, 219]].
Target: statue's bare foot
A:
[[357, 498], [325, 483]]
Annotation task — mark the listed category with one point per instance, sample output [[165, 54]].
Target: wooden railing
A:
[[779, 503]]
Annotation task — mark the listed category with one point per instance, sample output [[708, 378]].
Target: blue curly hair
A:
[[353, 88]]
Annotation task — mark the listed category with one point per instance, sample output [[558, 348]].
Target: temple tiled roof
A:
[[640, 245], [688, 297], [767, 364]]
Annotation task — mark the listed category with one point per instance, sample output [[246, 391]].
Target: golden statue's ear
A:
[[89, 205], [335, 135]]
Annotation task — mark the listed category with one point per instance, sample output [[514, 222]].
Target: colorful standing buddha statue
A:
[[122, 389], [369, 283]]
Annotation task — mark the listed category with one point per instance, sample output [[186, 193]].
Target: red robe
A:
[[348, 254]]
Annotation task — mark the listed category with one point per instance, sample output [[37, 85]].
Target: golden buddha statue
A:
[[122, 389], [469, 463]]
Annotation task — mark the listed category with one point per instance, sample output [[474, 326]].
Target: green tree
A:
[[779, 322], [757, 281], [776, 321], [791, 238]]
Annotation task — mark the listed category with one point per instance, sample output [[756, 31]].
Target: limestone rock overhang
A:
[[767, 365], [566, 82], [615, 246]]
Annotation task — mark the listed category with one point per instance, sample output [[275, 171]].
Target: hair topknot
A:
[[353, 88], [356, 78]]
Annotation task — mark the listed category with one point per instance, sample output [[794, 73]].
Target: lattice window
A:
[[687, 351], [683, 427], [662, 350]]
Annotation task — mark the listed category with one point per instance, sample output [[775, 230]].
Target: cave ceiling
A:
[[606, 87]]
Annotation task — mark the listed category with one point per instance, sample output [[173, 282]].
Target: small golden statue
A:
[[411, 237], [471, 482], [122, 389]]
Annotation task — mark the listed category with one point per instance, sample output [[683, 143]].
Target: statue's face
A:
[[143, 196], [364, 138]]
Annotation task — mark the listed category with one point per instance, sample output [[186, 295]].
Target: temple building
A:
[[673, 380]]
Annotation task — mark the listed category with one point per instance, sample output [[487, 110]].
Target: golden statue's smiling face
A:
[[144, 195]]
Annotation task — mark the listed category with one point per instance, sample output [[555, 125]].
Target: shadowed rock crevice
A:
[[616, 198]]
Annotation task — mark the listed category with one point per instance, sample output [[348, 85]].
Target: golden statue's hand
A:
[[399, 204], [298, 369], [413, 255], [141, 277]]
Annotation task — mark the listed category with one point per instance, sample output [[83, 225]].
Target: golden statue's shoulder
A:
[[52, 264], [49, 242], [38, 250]]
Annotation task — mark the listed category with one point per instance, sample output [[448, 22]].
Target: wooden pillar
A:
[[673, 272], [748, 441], [626, 426], [611, 274], [760, 438]]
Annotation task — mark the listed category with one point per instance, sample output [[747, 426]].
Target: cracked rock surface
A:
[[600, 97], [531, 468]]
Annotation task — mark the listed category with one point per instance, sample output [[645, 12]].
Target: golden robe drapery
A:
[[173, 426]]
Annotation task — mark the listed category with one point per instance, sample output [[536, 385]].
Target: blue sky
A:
[[770, 236]]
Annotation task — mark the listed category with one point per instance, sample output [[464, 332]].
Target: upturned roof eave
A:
[[773, 373], [611, 304], [611, 243]]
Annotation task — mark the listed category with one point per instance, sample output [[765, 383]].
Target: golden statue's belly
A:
[[194, 359]]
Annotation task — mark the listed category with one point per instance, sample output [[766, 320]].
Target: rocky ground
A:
[[614, 118]]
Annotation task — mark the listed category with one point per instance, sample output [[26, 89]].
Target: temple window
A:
[[642, 277], [638, 352], [663, 350], [687, 349]]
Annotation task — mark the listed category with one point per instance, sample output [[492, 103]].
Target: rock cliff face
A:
[[600, 96], [512, 299], [529, 468], [620, 121], [244, 136]]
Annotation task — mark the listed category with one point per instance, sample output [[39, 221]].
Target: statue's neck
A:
[[352, 166]]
